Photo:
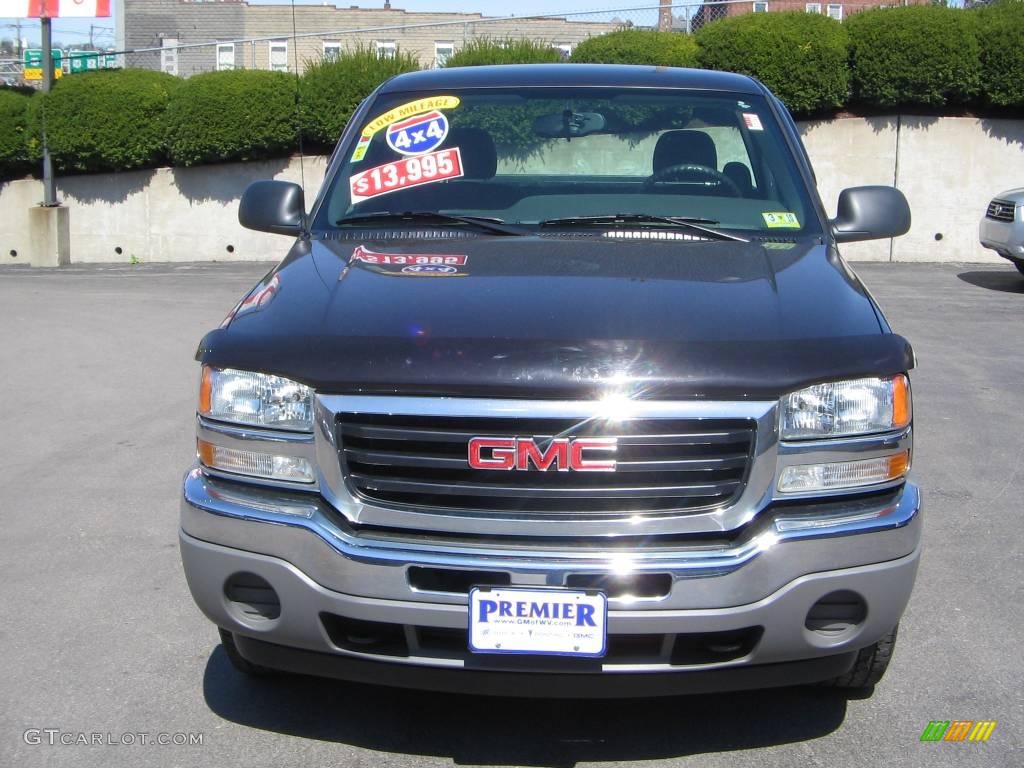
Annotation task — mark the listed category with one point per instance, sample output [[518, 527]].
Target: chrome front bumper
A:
[[768, 576]]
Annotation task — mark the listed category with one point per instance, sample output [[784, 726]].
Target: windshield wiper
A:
[[704, 226], [482, 223]]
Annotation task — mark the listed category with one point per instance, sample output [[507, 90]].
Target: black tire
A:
[[240, 663], [1020, 266], [870, 665]]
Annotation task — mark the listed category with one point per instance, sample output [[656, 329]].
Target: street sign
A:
[[33, 60], [84, 61]]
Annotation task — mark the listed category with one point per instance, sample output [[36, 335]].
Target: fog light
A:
[[843, 474], [255, 464]]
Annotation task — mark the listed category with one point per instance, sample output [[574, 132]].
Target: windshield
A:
[[554, 157]]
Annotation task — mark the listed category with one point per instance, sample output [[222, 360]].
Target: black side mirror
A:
[[870, 213], [273, 206]]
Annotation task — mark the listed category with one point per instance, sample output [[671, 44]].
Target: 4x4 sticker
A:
[[406, 173], [418, 135], [410, 109], [781, 219]]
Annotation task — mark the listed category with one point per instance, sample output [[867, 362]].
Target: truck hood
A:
[[559, 316]]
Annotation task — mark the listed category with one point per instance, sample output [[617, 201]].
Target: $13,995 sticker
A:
[[406, 173]]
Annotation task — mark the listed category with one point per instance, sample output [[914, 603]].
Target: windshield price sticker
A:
[[405, 174], [752, 121], [783, 220], [367, 256], [418, 135]]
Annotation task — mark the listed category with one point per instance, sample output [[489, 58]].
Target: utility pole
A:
[[17, 23]]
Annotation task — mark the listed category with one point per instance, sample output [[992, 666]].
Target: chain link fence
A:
[[270, 37]]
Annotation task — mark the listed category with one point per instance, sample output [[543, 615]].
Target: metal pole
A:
[[49, 188]]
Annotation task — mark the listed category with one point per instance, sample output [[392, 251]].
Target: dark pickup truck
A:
[[564, 389]]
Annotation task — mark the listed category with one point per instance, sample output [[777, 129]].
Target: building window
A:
[[565, 48], [813, 7], [443, 52], [386, 49], [760, 7], [332, 50], [225, 56], [835, 12], [169, 55], [279, 55]]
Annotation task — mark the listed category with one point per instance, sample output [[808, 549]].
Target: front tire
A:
[[870, 666], [239, 662]]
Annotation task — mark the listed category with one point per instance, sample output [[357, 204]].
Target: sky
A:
[[76, 31]]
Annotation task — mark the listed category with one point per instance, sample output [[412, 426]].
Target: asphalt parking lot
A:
[[100, 636]]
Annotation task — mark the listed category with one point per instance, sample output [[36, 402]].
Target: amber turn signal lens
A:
[[901, 408], [205, 388], [899, 465]]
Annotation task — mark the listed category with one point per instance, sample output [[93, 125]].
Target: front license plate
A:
[[546, 622]]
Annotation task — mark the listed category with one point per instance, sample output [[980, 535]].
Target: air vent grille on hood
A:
[[377, 235]]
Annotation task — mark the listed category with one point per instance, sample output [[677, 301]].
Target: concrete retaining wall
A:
[[949, 168]]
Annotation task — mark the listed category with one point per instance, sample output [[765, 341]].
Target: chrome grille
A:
[[663, 464], [1000, 210]]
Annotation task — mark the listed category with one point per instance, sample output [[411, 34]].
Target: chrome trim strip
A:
[[582, 409], [236, 501]]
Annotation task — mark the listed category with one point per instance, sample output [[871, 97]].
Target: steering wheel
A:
[[692, 169]]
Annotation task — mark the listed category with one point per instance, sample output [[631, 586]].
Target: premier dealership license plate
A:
[[550, 622]]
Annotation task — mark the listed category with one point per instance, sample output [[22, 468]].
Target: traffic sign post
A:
[[49, 184]]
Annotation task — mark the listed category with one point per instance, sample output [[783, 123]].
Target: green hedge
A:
[[102, 121], [332, 89], [244, 114], [1001, 53], [13, 120], [914, 56], [900, 58], [482, 51], [638, 46], [802, 57]]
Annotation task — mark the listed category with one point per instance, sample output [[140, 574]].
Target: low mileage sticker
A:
[[406, 173]]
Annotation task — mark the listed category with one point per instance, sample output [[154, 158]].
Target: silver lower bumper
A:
[[767, 578]]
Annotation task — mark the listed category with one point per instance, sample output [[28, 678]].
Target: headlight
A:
[[846, 408], [256, 399]]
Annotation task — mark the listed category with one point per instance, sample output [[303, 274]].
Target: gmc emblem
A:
[[561, 454]]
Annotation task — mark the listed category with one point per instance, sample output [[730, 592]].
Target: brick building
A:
[[219, 25], [838, 10]]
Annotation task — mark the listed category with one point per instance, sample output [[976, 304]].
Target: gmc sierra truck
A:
[[563, 388]]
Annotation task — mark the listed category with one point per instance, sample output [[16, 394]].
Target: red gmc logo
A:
[[561, 454]]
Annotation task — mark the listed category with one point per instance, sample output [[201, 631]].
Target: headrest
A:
[[685, 148], [479, 157]]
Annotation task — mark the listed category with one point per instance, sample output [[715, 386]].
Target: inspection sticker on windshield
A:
[[782, 220], [752, 121], [545, 622], [406, 173], [418, 135]]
